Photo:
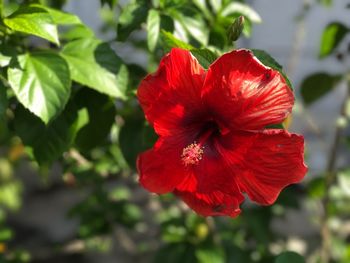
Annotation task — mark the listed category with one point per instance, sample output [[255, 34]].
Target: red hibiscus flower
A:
[[212, 143]]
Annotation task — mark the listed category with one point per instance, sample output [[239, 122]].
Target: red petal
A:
[[160, 168], [244, 94], [214, 203], [174, 89], [269, 161], [211, 188]]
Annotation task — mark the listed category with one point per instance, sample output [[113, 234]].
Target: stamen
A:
[[192, 154]]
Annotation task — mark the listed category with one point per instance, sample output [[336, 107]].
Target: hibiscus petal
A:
[[214, 203], [160, 168], [210, 188], [244, 94], [174, 89], [269, 161]]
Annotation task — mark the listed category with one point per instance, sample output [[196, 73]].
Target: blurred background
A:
[[85, 204]]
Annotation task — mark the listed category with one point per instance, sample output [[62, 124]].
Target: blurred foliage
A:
[[67, 98], [329, 189]]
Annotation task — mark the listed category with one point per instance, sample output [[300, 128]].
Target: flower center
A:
[[192, 154]]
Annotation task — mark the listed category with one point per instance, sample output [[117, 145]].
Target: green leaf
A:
[[62, 18], [47, 142], [101, 115], [153, 22], [326, 3], [3, 100], [247, 29], [202, 5], [33, 20], [289, 257], [41, 82], [130, 19], [194, 27], [205, 56], [269, 61], [344, 181], [332, 35], [77, 32], [4, 60], [210, 255], [236, 8], [317, 85], [169, 41], [216, 5], [316, 188], [94, 64], [6, 54]]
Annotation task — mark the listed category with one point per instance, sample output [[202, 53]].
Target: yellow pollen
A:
[[192, 154]]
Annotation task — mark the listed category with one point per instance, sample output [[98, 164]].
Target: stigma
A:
[[192, 154]]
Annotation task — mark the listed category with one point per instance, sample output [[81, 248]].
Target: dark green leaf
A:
[[269, 61], [101, 115], [33, 20], [241, 9], [316, 188], [217, 36], [175, 253], [135, 137], [205, 56], [130, 19], [317, 85], [153, 22], [166, 23], [111, 3], [332, 35], [289, 197], [6, 54], [94, 64], [235, 254], [47, 142], [289, 257], [257, 221], [41, 82], [3, 100]]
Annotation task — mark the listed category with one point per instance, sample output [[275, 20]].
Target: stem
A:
[[330, 178]]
